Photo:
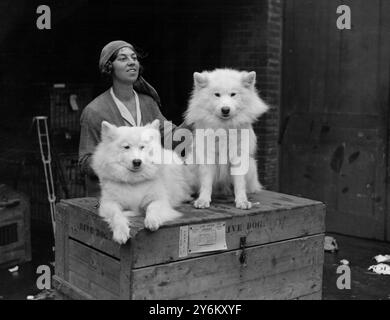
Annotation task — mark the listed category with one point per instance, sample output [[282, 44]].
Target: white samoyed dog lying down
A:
[[225, 104], [137, 176]]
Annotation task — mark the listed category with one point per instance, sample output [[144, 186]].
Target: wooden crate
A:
[[15, 240], [273, 251]]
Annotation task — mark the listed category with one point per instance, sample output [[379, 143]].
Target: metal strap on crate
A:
[[44, 145]]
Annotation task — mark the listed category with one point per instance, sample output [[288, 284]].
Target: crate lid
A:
[[221, 208], [9, 198], [273, 217]]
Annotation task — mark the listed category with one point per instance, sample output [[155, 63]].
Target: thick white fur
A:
[[159, 185], [204, 111]]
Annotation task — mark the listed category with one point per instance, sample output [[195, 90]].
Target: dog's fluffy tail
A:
[[254, 186], [252, 180]]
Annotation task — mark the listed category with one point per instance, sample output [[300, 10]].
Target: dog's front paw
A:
[[152, 222], [243, 204], [121, 233], [201, 203]]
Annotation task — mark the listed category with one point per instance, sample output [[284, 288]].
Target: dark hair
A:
[[107, 69]]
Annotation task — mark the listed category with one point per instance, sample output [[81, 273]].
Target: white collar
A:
[[125, 113]]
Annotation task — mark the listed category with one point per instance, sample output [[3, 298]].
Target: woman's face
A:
[[125, 68]]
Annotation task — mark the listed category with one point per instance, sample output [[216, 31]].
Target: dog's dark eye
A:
[[232, 94], [217, 94], [142, 147], [126, 147]]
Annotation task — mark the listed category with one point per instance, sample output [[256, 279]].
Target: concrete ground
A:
[[365, 285], [20, 284]]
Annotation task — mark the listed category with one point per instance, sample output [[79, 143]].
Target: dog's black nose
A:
[[225, 111], [137, 163]]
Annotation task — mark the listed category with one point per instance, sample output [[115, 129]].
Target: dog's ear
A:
[[151, 135], [200, 80], [155, 124], [249, 79], [108, 131]]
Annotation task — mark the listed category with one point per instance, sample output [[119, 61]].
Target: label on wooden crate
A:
[[202, 238]]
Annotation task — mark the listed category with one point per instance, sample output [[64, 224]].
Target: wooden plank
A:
[[319, 129], [69, 290], [126, 265], [366, 227], [11, 215], [221, 208], [89, 228], [81, 282], [102, 294], [61, 241], [258, 229], [384, 97], [12, 257], [313, 296], [191, 277], [27, 230], [306, 57], [15, 246], [94, 267], [359, 65], [88, 286], [284, 286], [20, 231]]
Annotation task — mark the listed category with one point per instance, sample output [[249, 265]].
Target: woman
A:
[[131, 101]]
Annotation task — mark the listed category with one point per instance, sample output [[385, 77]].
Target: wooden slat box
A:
[[273, 251], [15, 239]]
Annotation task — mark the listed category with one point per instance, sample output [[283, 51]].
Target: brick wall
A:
[[253, 41]]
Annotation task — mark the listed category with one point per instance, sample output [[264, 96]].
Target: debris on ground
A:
[[13, 269], [380, 269], [43, 295], [330, 244], [344, 262], [382, 258]]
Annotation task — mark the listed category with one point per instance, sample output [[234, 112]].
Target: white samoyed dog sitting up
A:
[[225, 104], [137, 176]]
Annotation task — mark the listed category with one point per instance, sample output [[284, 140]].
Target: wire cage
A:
[[66, 104]]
